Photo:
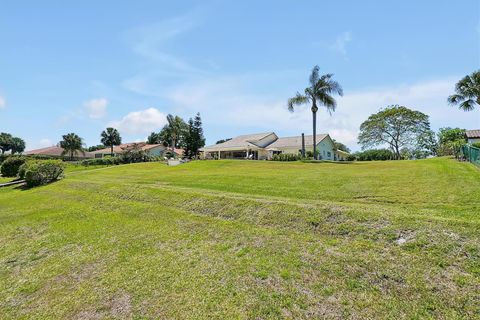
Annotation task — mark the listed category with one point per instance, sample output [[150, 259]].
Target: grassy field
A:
[[245, 239]]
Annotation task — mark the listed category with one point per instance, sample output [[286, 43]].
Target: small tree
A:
[[194, 139], [155, 138], [340, 146], [395, 126], [110, 137], [450, 140], [71, 144]]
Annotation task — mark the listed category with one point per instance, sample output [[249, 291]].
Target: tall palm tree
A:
[[319, 92], [467, 90], [110, 137], [176, 127], [71, 143]]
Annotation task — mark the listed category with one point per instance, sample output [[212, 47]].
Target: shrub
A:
[[42, 172], [476, 145], [11, 165], [134, 155], [286, 157], [351, 157], [374, 154], [106, 161]]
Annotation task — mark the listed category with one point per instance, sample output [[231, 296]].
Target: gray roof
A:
[[244, 141], [296, 142], [473, 133]]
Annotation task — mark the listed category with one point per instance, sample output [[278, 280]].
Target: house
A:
[[473, 136], [153, 150], [263, 146], [57, 152]]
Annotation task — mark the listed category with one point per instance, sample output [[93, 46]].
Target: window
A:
[[329, 154]]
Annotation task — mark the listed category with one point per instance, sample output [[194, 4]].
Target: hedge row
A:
[[286, 157]]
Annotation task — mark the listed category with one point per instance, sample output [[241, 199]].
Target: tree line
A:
[[11, 143], [178, 134], [405, 132]]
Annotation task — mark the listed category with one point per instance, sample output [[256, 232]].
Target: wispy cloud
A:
[[96, 108], [143, 121], [226, 105], [340, 44], [150, 41]]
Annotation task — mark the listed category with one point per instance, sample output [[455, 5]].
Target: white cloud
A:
[[225, 106], [3, 102], [144, 121], [96, 108], [340, 44]]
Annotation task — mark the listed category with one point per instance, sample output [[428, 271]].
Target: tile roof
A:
[[473, 133], [57, 152], [243, 141], [295, 142], [124, 146]]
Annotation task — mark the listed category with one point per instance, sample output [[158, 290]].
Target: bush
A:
[[134, 155], [374, 154], [106, 161], [351, 157], [286, 157], [11, 165], [476, 145], [42, 172]]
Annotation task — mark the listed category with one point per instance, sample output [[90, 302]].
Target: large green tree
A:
[[467, 92], [194, 139], [395, 126], [6, 141], [18, 145], [71, 144], [110, 138], [11, 143], [318, 93]]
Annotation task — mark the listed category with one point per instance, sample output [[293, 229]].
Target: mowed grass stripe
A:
[[119, 243]]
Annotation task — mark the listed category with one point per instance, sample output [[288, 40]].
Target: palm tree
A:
[[318, 93], [175, 128], [110, 137], [467, 90], [71, 143]]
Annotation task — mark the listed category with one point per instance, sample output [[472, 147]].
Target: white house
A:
[[263, 146]]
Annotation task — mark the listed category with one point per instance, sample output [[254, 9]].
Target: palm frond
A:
[[455, 99], [467, 105], [328, 101], [314, 75], [299, 99]]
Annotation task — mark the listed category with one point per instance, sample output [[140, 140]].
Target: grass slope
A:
[[245, 239]]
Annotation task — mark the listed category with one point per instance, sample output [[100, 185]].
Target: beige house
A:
[[473, 136], [262, 146]]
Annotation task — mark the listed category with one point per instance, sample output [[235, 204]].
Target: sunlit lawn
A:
[[245, 239]]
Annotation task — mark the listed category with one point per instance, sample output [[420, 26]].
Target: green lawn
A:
[[245, 239]]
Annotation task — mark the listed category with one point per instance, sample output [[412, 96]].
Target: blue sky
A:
[[84, 66]]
